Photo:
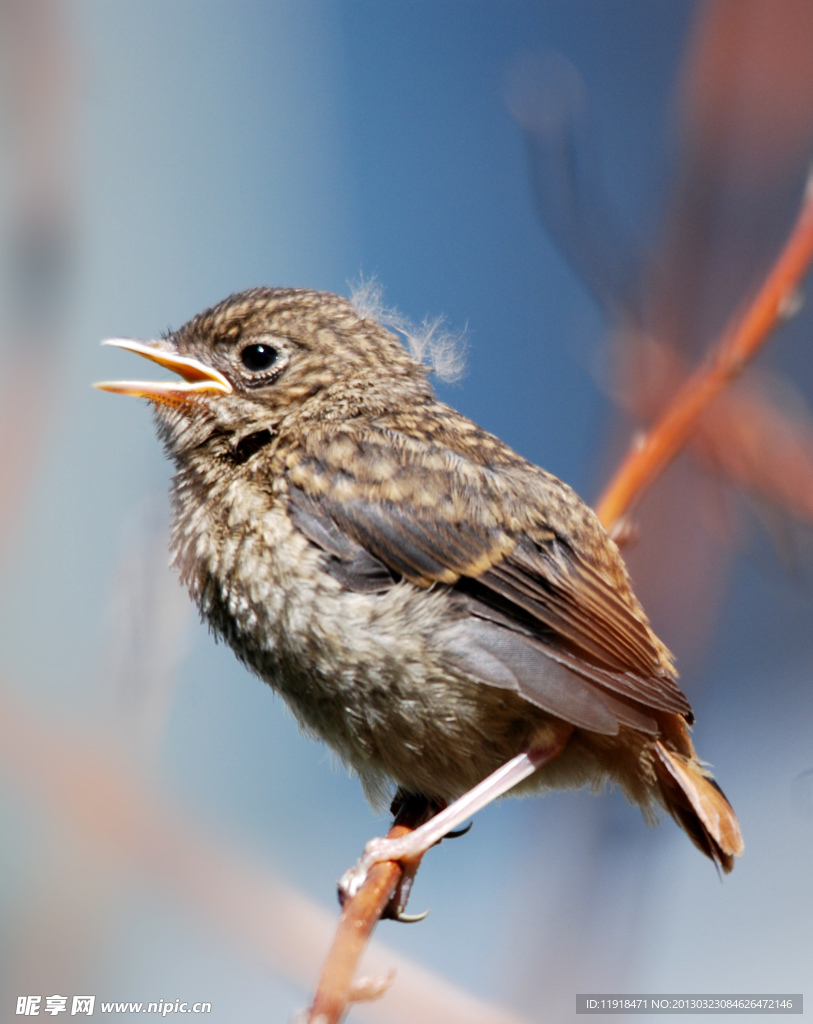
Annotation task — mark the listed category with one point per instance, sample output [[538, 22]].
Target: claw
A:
[[351, 881], [458, 832], [410, 918]]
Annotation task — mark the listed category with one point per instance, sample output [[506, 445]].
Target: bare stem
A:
[[359, 917], [742, 338]]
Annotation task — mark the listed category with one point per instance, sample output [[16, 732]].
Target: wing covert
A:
[[411, 510]]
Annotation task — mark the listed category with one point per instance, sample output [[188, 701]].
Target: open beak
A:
[[197, 377]]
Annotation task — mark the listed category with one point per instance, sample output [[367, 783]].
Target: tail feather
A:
[[698, 804]]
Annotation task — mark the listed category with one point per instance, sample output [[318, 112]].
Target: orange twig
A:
[[740, 341], [359, 917]]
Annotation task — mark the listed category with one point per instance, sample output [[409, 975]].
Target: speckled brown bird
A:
[[427, 601]]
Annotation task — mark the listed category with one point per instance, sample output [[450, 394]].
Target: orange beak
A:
[[197, 377]]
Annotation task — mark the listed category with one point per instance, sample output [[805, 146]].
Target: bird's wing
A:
[[587, 623], [435, 518]]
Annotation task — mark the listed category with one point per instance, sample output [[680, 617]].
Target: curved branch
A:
[[745, 334], [359, 917]]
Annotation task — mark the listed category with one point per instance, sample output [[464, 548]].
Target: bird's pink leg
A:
[[416, 843]]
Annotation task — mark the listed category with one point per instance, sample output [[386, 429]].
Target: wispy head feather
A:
[[443, 351]]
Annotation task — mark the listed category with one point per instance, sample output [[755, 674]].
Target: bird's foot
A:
[[409, 848], [403, 849]]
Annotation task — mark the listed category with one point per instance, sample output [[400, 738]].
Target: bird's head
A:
[[262, 356]]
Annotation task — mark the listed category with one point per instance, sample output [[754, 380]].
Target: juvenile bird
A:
[[437, 609]]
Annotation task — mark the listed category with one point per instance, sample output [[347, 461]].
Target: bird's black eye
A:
[[259, 358]]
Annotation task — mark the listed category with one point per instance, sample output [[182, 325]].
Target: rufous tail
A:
[[699, 806]]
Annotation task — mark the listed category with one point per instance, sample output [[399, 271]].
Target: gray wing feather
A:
[[501, 657], [493, 655], [488, 645]]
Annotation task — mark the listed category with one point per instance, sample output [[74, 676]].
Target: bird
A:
[[451, 619]]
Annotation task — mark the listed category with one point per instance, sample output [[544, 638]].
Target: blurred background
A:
[[588, 190]]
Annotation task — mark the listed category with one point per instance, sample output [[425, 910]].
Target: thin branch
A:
[[745, 334], [359, 917]]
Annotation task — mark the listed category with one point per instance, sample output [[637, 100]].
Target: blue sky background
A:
[[220, 146]]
